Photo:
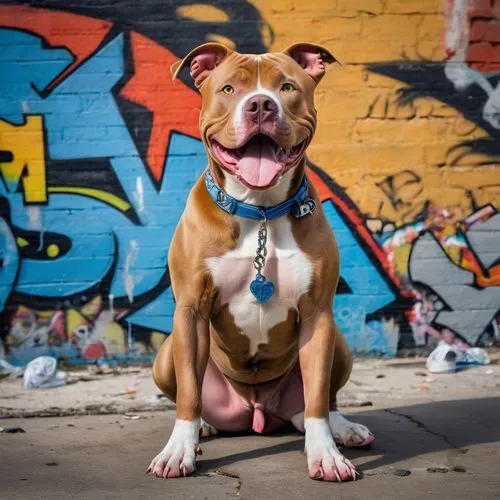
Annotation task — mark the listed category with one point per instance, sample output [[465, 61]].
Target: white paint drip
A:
[[458, 71], [129, 336], [129, 281], [8, 244], [111, 301], [457, 32], [139, 194], [35, 218]]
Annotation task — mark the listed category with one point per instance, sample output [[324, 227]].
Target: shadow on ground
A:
[[448, 426]]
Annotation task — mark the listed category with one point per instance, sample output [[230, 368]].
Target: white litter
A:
[[446, 358], [42, 373]]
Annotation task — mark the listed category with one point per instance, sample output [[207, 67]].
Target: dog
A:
[[254, 268]]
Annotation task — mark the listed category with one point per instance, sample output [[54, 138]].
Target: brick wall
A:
[[98, 150]]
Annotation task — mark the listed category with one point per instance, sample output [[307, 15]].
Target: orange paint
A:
[[174, 106]]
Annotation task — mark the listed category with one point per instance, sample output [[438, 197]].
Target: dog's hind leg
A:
[[164, 372], [207, 430]]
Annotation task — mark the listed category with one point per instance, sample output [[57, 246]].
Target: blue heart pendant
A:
[[262, 289]]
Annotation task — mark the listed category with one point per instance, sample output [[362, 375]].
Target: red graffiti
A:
[[356, 221], [174, 106], [80, 35]]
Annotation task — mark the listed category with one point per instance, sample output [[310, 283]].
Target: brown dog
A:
[[251, 352]]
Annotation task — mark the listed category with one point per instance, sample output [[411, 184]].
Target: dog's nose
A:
[[261, 108]]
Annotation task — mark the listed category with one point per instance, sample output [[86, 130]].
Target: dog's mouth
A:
[[260, 162]]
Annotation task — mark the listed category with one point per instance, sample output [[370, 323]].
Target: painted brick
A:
[[411, 131], [350, 6], [414, 7], [488, 31], [484, 52], [384, 28], [385, 162]]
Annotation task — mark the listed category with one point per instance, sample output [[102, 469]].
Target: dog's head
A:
[[258, 114]]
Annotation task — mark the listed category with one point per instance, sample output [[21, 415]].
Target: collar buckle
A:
[[308, 206]]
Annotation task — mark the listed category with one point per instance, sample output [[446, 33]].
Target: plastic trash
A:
[[446, 358], [42, 373], [474, 356]]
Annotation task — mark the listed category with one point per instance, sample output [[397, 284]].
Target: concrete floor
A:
[[105, 456]]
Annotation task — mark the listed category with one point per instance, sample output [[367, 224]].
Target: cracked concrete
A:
[[447, 437], [105, 456], [421, 425]]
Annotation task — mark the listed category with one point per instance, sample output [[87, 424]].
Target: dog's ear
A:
[[311, 58], [201, 60]]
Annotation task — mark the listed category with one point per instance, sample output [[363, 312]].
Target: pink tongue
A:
[[258, 168]]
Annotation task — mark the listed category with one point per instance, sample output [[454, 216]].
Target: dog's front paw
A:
[[324, 460], [179, 455]]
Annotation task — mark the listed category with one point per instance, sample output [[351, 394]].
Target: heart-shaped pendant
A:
[[262, 289]]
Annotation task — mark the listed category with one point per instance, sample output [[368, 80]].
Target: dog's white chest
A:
[[286, 266]]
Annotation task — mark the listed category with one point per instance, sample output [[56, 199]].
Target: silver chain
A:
[[260, 258]]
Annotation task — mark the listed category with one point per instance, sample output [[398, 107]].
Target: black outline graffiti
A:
[[428, 79]]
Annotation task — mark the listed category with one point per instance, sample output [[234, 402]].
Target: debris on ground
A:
[[51, 464], [447, 358], [441, 470], [459, 468], [12, 430], [127, 392], [131, 416], [42, 373], [401, 472]]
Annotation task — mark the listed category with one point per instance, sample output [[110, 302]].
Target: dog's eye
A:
[[287, 87], [227, 89]]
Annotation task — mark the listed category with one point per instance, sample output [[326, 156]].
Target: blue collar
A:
[[299, 205]]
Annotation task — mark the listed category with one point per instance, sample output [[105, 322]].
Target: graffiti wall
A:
[[99, 149]]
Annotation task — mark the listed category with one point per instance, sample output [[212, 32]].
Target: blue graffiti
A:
[[82, 120], [9, 262], [369, 291]]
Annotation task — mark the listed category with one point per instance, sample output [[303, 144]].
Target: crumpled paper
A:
[[42, 373]]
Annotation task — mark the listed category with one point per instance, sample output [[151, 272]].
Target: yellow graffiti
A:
[[109, 198], [91, 309], [25, 143], [53, 250], [204, 13], [74, 320], [21, 242]]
